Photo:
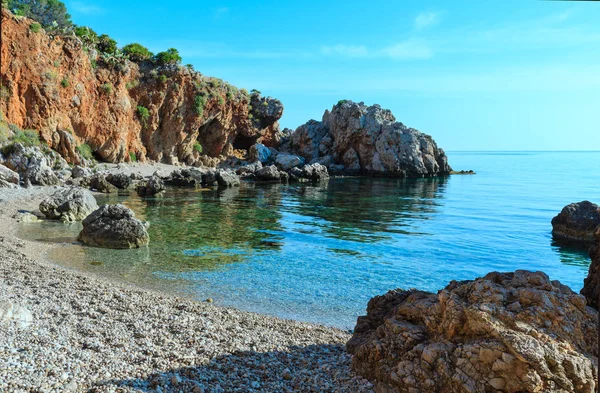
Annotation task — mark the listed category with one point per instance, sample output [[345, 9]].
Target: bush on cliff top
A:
[[137, 52], [87, 35], [106, 44], [170, 56], [51, 14]]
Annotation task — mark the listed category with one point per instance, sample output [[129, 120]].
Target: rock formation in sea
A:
[[114, 226], [508, 332], [119, 110], [355, 138], [577, 223], [591, 284]]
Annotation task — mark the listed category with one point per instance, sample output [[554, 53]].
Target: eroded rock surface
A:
[[591, 285], [114, 226], [577, 223], [509, 332], [151, 187], [34, 164], [367, 139], [8, 177], [70, 204]]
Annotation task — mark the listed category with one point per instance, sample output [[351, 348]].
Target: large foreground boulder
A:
[[114, 226], [591, 285], [577, 223], [70, 204], [508, 332], [355, 138]]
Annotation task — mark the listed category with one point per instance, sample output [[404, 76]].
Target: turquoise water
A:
[[318, 253]]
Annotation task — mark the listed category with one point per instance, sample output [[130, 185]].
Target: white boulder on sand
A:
[[70, 204], [114, 226]]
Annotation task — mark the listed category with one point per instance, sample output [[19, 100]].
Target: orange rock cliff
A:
[[121, 109]]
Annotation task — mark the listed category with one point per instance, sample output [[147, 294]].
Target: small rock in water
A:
[[209, 300], [287, 375]]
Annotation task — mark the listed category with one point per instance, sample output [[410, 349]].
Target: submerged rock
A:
[[577, 223], [591, 284], [367, 139], [71, 204], [114, 226], [513, 332]]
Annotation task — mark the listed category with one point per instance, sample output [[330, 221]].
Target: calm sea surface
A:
[[318, 253]]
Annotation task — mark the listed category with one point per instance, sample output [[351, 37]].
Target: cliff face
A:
[[56, 84]]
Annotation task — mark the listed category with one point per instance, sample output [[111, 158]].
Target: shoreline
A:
[[93, 334]]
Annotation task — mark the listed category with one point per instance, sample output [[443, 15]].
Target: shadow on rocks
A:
[[314, 368]]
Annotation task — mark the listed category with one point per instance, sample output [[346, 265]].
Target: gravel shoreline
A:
[[89, 334]]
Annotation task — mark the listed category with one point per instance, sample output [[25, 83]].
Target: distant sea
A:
[[318, 253]]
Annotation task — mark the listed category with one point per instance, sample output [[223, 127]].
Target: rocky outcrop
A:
[[508, 332], [355, 138], [99, 183], [70, 204], [591, 284], [285, 162], [312, 172], [34, 164], [121, 110], [114, 226], [268, 173], [154, 186], [577, 223], [8, 178], [120, 180]]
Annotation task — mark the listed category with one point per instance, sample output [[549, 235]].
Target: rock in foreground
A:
[[591, 285], [576, 223], [509, 332], [355, 138], [114, 226], [71, 204]]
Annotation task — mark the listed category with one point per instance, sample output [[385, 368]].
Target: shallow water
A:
[[318, 253]]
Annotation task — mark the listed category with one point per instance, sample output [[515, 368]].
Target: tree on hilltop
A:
[[51, 14]]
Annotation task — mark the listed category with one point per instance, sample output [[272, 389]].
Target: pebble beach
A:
[[87, 334]]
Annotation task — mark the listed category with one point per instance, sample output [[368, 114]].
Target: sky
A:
[[475, 75]]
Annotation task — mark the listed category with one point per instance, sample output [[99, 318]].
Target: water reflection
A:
[[571, 255]]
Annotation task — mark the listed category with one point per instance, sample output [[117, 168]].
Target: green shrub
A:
[[254, 91], [106, 45], [244, 92], [190, 67], [4, 93], [64, 82], [154, 74], [85, 151], [199, 103], [137, 52], [214, 83], [198, 147], [170, 56], [56, 63], [51, 14], [265, 103], [144, 114], [163, 78], [341, 102], [93, 63], [229, 95], [87, 35], [221, 100], [35, 27], [132, 157], [132, 84], [26, 137], [107, 88], [50, 75]]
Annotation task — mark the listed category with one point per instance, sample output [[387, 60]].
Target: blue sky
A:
[[476, 75]]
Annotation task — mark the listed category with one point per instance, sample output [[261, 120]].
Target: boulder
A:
[[152, 187], [577, 223], [120, 180], [285, 162], [114, 226], [8, 178], [508, 332], [186, 178], [70, 204], [34, 164], [99, 183], [268, 173], [249, 168], [79, 172], [367, 139], [591, 284], [227, 179]]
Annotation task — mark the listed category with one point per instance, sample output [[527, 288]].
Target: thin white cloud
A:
[[426, 19], [345, 50], [405, 50], [87, 8]]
